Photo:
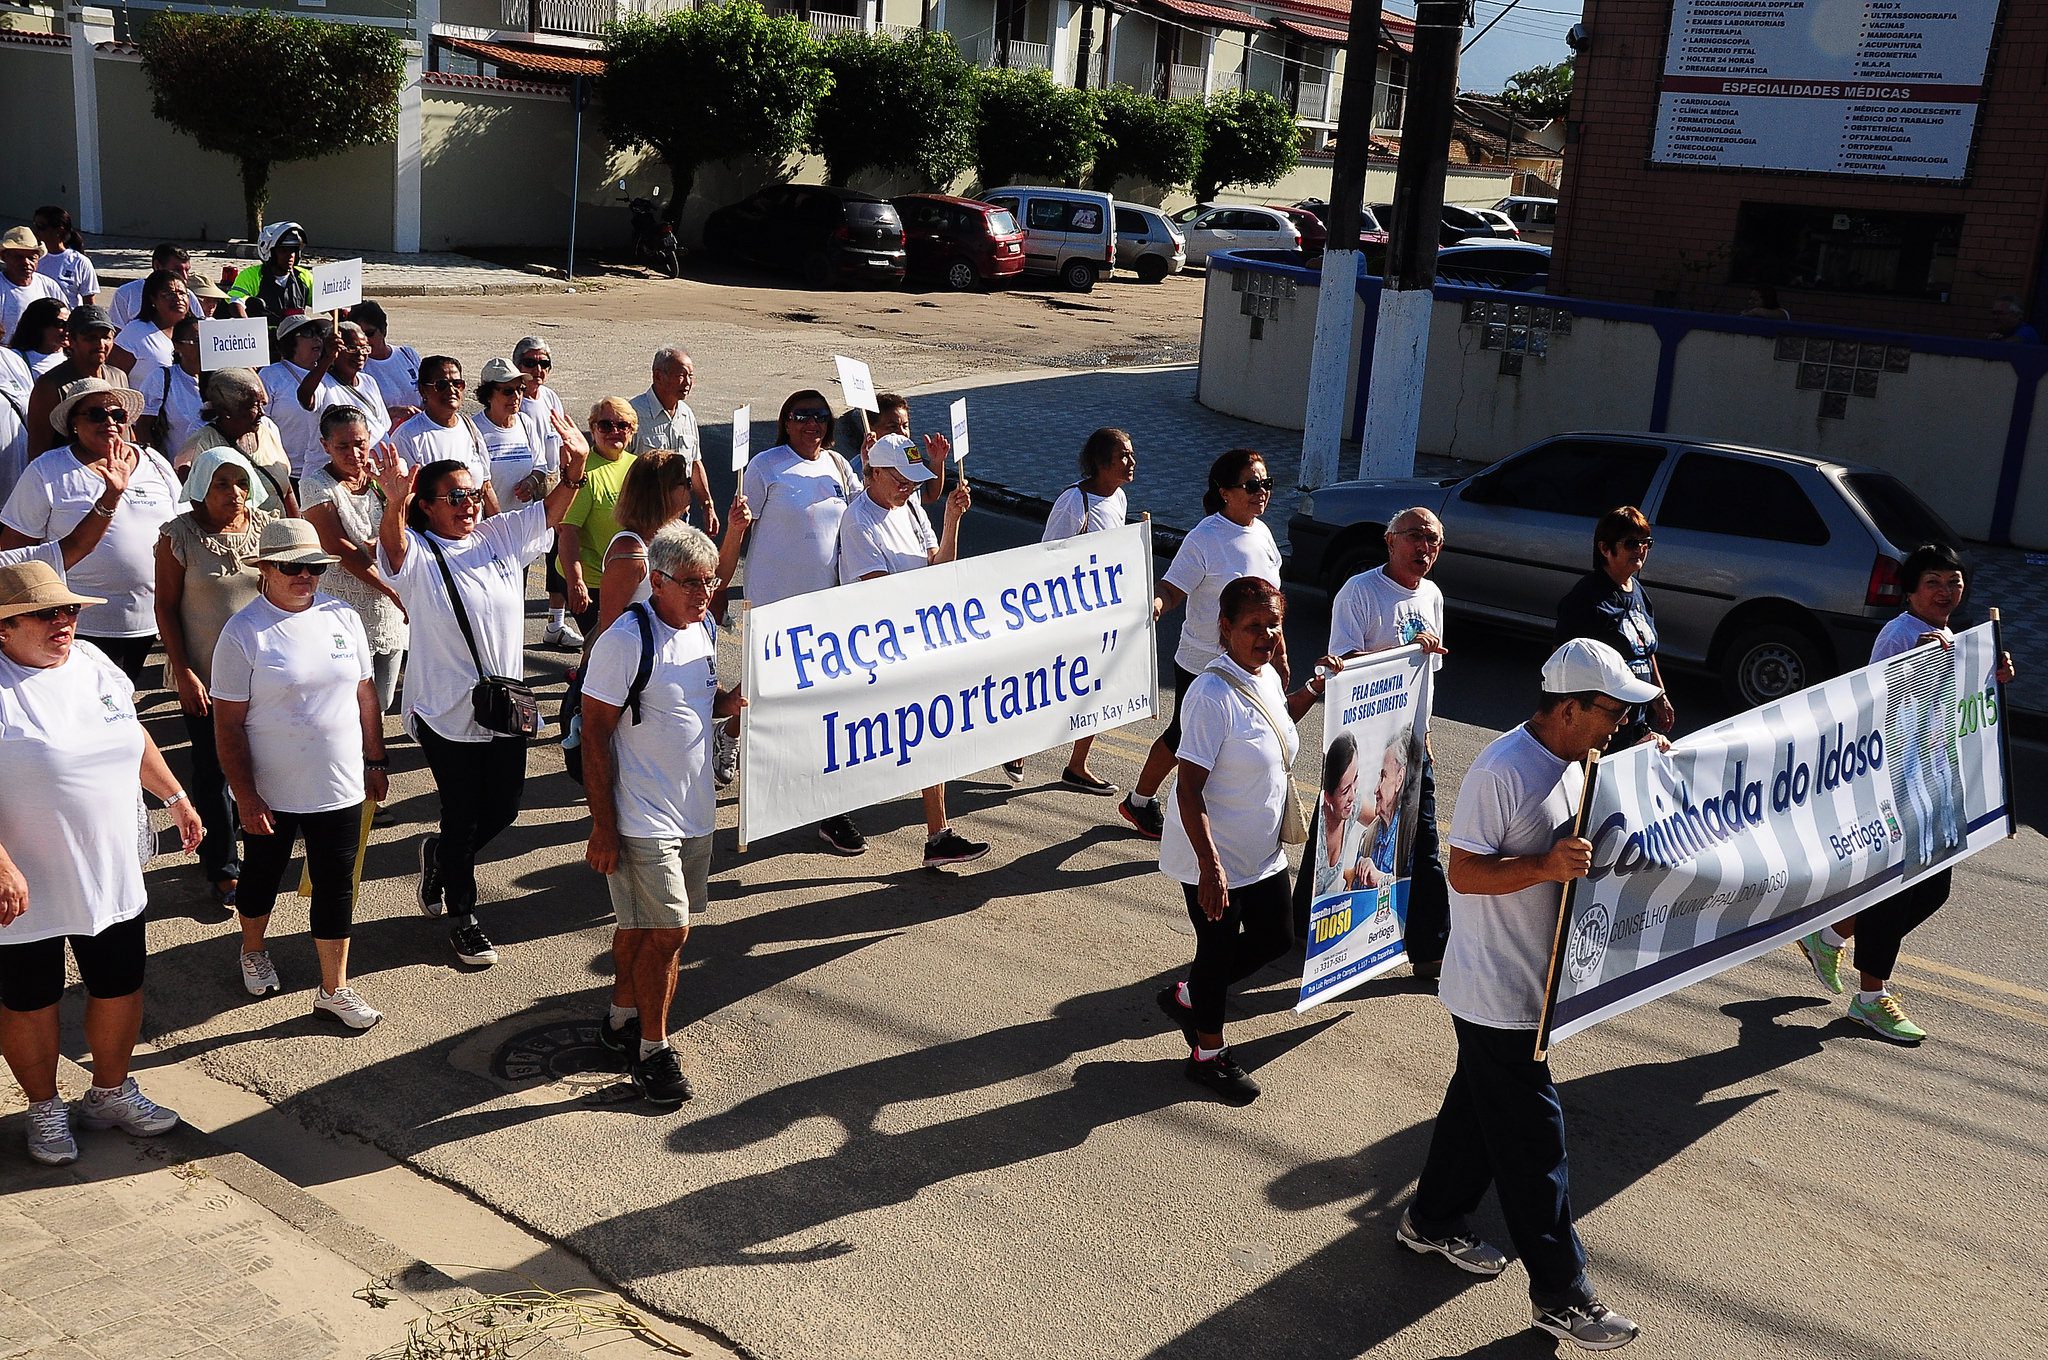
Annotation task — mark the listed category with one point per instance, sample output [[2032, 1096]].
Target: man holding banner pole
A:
[[1515, 838], [1395, 605]]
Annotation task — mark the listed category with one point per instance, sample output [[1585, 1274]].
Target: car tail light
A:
[[1885, 585], [842, 232], [1109, 250], [902, 238]]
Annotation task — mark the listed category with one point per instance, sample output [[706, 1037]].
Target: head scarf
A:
[[207, 463]]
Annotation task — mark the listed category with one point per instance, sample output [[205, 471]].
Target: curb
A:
[[322, 1224]]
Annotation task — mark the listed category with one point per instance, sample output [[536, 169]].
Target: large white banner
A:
[[880, 688], [1852, 87], [1375, 724], [1779, 821]]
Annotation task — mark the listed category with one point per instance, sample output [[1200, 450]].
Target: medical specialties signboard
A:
[[1846, 87]]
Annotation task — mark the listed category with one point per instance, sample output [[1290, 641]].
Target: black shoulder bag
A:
[[501, 704]]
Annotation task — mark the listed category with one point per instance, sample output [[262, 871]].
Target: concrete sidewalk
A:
[[1028, 428], [121, 258]]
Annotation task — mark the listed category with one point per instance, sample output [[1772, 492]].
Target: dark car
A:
[[958, 240], [1370, 232], [1516, 265], [1314, 235], [1457, 224], [827, 234]]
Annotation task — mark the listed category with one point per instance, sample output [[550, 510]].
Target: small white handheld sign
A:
[[742, 436], [856, 383], [959, 409], [337, 285], [233, 342]]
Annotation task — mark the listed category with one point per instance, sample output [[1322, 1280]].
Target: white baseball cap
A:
[[1585, 664], [898, 452]]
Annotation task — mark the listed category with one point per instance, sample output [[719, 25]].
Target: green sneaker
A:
[[1825, 959], [1887, 1017]]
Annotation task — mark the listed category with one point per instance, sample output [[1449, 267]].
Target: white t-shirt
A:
[[1373, 612], [15, 297], [297, 428], [15, 382], [69, 733], [660, 430], [1077, 512], [298, 672], [39, 364], [539, 408], [797, 503], [1903, 634], [873, 539], [58, 491], [126, 304], [149, 343], [515, 453], [364, 396], [664, 786], [51, 553], [73, 273], [490, 570], [398, 377], [423, 440], [1216, 552], [1517, 799], [1248, 764]]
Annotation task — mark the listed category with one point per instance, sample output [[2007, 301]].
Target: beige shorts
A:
[[660, 881]]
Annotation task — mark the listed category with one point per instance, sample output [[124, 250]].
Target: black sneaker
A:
[[1222, 1075], [950, 847], [1087, 783], [1591, 1326], [1013, 770], [1150, 822], [842, 837], [1463, 1250], [430, 875], [659, 1078], [471, 945], [624, 1039], [1184, 1016]]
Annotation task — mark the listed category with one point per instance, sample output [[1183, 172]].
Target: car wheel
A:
[[960, 276], [1078, 276], [818, 271], [1766, 662], [1360, 554], [1151, 269]]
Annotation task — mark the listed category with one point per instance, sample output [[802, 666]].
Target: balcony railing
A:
[[579, 18], [1015, 54], [824, 25], [1312, 100], [1387, 106], [1098, 69], [1173, 81]]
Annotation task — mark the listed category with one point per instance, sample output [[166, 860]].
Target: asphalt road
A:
[[937, 1114]]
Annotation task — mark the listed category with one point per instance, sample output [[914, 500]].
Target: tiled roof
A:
[[540, 60], [1314, 32], [455, 82], [1211, 14]]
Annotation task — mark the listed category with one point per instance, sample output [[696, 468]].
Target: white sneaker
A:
[[258, 977], [344, 1005], [564, 636], [49, 1132], [127, 1109], [726, 759]]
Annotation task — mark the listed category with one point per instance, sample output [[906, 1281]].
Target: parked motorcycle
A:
[[654, 233]]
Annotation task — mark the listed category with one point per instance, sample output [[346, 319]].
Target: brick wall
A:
[[1629, 231]]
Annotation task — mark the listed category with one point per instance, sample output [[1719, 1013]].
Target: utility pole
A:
[[1400, 358], [1330, 362], [1086, 43]]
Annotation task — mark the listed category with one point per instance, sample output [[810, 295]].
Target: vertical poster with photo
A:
[[1369, 785]]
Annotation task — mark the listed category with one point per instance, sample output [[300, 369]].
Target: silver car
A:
[[1772, 570], [1147, 244]]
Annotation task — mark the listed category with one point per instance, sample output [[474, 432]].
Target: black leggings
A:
[[1251, 934], [1881, 929], [480, 783], [330, 862], [131, 654], [109, 963], [1171, 736], [212, 800]]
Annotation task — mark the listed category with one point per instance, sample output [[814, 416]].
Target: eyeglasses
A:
[[811, 413], [703, 585], [112, 415], [1422, 536], [52, 615], [447, 384], [1257, 486], [613, 426], [458, 498], [537, 361], [1642, 544], [1615, 714], [314, 569]]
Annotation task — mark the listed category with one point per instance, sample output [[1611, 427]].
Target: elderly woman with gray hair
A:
[[235, 418], [344, 504]]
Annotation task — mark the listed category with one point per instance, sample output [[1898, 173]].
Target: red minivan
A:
[[959, 241]]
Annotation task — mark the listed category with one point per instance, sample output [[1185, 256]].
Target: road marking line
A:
[[1989, 984], [1921, 984]]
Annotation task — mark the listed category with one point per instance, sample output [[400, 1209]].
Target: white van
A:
[[1536, 218], [1068, 233]]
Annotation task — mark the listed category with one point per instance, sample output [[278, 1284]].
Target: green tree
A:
[[710, 85], [267, 89], [1540, 93], [1249, 138], [1151, 139], [1028, 126], [896, 104]]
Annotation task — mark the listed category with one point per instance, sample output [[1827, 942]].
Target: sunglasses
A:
[[447, 384], [112, 415], [811, 413], [1257, 486], [313, 569], [1641, 543], [533, 361], [458, 498], [612, 426], [58, 612]]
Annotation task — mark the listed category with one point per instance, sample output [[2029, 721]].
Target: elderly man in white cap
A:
[[1513, 845]]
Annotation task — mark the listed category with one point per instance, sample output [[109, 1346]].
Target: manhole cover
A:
[[567, 1051]]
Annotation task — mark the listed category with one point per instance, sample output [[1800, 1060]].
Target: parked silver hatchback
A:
[[1772, 569], [1147, 244]]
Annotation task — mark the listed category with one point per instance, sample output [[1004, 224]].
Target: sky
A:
[[1533, 35]]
